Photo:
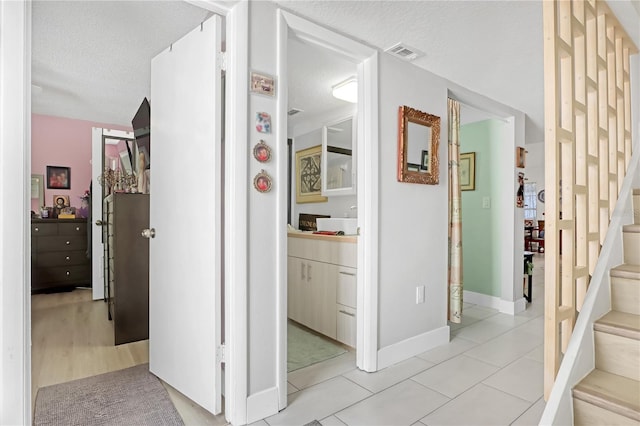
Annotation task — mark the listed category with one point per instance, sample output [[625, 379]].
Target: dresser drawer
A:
[[43, 229], [72, 229], [62, 258], [64, 274], [54, 243]]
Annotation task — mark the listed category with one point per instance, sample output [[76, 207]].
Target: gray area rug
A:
[[305, 348], [132, 396]]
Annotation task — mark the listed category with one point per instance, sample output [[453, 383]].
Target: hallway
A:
[[489, 374]]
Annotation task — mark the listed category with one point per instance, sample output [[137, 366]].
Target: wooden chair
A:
[[528, 234], [538, 237]]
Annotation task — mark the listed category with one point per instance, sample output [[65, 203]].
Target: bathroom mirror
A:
[[338, 157], [418, 141]]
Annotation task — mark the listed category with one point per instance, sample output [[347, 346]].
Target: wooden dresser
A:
[[59, 254], [127, 265]]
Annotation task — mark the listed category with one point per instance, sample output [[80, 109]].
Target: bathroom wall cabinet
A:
[[322, 284]]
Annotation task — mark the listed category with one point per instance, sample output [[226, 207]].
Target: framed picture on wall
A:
[[468, 171], [308, 176], [58, 177], [521, 155]]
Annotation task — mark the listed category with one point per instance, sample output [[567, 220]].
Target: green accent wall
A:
[[479, 228]]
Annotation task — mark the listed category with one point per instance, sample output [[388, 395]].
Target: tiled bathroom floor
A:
[[489, 374]]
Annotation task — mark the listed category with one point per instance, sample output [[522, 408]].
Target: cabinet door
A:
[[322, 278]]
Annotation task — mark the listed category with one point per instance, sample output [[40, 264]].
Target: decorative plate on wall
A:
[[541, 196], [262, 182], [262, 152]]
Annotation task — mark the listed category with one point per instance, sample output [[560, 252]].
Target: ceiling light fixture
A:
[[346, 90]]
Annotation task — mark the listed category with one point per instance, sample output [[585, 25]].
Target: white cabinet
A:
[[322, 286]]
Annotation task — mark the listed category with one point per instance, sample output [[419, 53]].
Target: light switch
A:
[[486, 202]]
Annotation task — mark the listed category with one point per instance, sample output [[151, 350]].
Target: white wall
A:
[[264, 213], [413, 217]]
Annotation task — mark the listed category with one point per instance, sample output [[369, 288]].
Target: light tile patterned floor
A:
[[489, 374]]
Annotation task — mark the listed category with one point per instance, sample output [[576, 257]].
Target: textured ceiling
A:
[[92, 58]]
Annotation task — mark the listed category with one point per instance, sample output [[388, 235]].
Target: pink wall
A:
[[57, 141]]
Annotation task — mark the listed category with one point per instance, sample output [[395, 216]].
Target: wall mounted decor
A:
[[520, 157], [309, 176], [418, 141], [262, 182], [541, 196], [520, 193], [468, 171], [263, 122], [262, 152], [58, 177], [262, 84]]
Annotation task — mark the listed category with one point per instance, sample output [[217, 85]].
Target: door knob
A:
[[100, 223], [149, 233]]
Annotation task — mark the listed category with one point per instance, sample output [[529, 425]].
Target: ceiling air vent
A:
[[294, 111], [405, 52]]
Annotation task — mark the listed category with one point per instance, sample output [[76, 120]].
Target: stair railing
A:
[[587, 152]]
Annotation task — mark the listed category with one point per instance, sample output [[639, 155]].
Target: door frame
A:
[[367, 116], [15, 322], [99, 136]]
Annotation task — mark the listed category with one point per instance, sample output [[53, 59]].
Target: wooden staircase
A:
[[610, 394]]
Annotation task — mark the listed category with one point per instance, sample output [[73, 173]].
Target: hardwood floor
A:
[[72, 338]]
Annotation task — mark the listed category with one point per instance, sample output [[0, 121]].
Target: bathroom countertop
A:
[[312, 236]]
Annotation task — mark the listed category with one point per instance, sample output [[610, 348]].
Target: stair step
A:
[[633, 228], [616, 353], [625, 288], [617, 394], [626, 271], [631, 244], [620, 324]]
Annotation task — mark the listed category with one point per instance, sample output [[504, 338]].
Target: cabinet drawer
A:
[[40, 229], [72, 229], [62, 258], [347, 284], [64, 274], [335, 252], [346, 325], [53, 243]]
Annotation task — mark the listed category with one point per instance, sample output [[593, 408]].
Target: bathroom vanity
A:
[[322, 279]]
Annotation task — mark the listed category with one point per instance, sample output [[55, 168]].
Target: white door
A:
[[185, 212]]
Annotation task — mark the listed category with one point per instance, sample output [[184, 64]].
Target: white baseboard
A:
[[262, 404], [494, 302], [413, 346]]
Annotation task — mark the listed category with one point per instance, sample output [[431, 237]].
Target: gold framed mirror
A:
[[418, 142]]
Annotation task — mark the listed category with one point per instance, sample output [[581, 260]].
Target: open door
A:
[[185, 251]]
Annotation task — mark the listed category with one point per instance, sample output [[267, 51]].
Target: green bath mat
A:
[[304, 348]]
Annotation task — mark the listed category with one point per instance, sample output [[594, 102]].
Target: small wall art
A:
[[308, 176], [263, 122], [521, 154], [262, 84], [262, 152], [58, 177], [262, 182], [520, 194], [468, 171]]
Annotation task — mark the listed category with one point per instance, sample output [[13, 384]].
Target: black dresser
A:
[[59, 254]]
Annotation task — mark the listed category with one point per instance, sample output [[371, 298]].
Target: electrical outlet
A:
[[486, 202], [419, 294]]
